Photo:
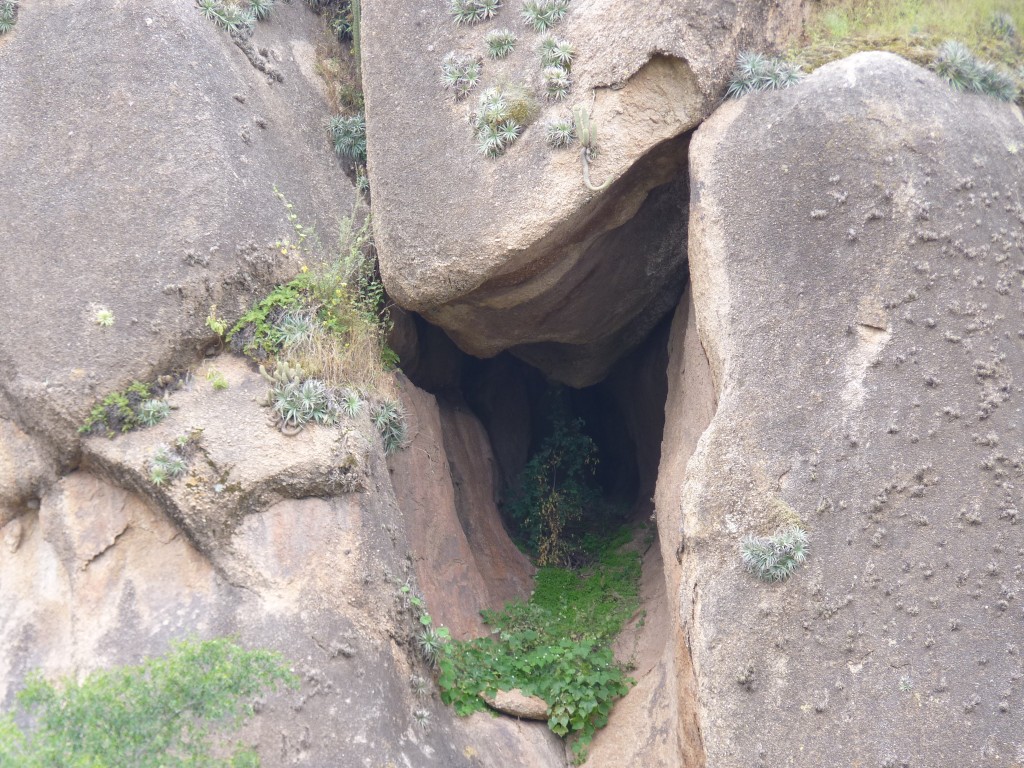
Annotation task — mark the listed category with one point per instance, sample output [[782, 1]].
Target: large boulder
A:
[[141, 147], [855, 250], [515, 252], [300, 544]]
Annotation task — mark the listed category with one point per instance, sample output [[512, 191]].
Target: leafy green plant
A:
[[544, 14], [348, 135], [389, 418], [174, 711], [460, 73], [500, 43], [554, 490], [502, 115], [776, 557], [8, 15], [560, 132], [217, 380], [955, 64], [124, 411], [555, 52], [757, 72], [473, 11], [556, 646]]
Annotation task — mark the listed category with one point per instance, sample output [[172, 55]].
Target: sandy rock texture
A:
[[856, 256], [141, 149], [298, 544], [515, 252]]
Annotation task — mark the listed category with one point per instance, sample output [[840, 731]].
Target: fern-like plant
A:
[[774, 558], [557, 83], [544, 14], [757, 72], [8, 15], [472, 11], [955, 64], [348, 135], [500, 43], [460, 73]]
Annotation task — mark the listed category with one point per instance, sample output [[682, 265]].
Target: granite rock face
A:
[[515, 252], [856, 253]]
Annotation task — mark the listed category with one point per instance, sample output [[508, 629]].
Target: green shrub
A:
[[776, 557], [500, 43], [135, 407], [8, 15], [955, 64], [757, 72], [175, 711], [348, 136], [554, 491]]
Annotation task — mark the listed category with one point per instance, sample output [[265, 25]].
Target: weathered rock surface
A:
[[293, 543], [516, 253], [518, 704], [138, 163], [856, 256]]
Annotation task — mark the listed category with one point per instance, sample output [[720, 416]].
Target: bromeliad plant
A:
[[544, 14], [955, 64], [500, 43], [757, 72], [776, 557], [500, 118], [348, 136], [473, 11], [8, 15], [460, 73]]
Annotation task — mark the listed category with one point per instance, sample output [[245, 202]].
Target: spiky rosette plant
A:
[[955, 64], [500, 43], [261, 9], [166, 465], [389, 418], [473, 11], [500, 119], [757, 72], [8, 15], [1003, 27], [291, 329], [555, 52], [560, 132], [348, 135], [557, 82], [460, 73], [774, 558], [152, 412], [544, 14]]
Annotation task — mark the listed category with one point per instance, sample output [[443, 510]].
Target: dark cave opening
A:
[[518, 406]]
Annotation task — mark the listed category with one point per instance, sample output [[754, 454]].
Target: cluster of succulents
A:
[[556, 58], [460, 73], [955, 64], [348, 136], [544, 14], [389, 418], [774, 558], [167, 464], [103, 317], [296, 401], [500, 118], [757, 72], [560, 132], [234, 17], [500, 43], [153, 411], [8, 15], [472, 11]]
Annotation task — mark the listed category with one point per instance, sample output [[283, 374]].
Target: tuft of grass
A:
[[348, 136], [500, 43], [955, 64], [501, 117], [757, 72], [776, 557], [473, 11], [544, 14], [557, 82], [560, 132], [8, 15], [460, 73]]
